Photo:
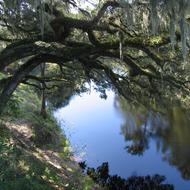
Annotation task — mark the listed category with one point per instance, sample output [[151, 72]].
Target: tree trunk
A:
[[17, 78], [43, 95]]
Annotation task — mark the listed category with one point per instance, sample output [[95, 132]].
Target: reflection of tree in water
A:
[[140, 144], [176, 141], [75, 82], [171, 132], [102, 177], [135, 129]]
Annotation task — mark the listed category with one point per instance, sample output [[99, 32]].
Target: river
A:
[[133, 140]]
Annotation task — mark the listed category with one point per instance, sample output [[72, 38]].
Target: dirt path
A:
[[66, 169]]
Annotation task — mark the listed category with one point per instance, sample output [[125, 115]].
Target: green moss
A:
[[155, 40], [2, 76]]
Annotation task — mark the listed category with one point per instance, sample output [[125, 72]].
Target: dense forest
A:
[[144, 41], [50, 50]]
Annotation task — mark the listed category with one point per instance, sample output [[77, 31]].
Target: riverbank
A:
[[35, 154]]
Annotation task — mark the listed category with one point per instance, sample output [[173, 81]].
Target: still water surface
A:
[[133, 140]]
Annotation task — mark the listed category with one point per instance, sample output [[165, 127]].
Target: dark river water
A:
[[133, 140]]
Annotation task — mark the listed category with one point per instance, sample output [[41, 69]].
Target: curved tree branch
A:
[[18, 77], [103, 9]]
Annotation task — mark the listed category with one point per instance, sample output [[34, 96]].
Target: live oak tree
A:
[[137, 47]]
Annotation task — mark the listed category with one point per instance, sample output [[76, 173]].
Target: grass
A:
[[34, 153]]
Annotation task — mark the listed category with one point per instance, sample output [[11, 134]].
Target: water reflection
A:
[[170, 131], [115, 131]]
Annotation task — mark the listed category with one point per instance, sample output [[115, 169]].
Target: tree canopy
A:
[[137, 47]]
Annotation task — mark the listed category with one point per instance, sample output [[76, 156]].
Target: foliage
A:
[[137, 48], [101, 175], [13, 175], [21, 168], [130, 52], [2, 75], [13, 104]]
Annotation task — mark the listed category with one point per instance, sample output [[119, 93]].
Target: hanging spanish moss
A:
[[172, 9], [129, 15], [42, 18], [120, 48], [149, 17], [183, 29], [177, 13], [154, 16], [172, 32]]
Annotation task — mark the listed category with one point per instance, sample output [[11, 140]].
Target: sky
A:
[[84, 4], [88, 3]]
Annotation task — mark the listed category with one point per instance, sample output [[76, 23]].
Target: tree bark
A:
[[43, 111], [18, 77]]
